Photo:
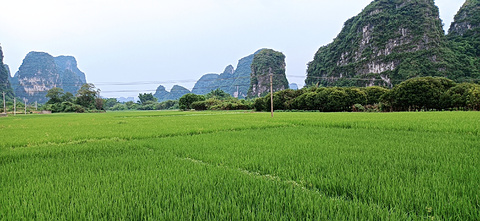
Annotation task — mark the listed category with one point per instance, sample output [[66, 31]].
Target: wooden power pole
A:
[[4, 105], [271, 93]]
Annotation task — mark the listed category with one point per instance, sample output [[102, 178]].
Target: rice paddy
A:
[[240, 165]]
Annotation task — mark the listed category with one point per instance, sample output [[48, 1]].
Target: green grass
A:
[[240, 165]]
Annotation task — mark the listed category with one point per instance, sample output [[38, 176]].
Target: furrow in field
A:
[[166, 135], [271, 177]]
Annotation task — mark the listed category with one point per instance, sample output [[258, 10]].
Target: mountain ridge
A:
[[388, 42]]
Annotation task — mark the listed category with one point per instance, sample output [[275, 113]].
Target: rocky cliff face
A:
[[41, 72], [209, 82], [265, 63], [5, 85], [235, 82], [467, 20], [175, 93], [388, 42], [464, 39]]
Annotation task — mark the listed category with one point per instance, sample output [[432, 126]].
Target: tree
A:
[[109, 103], [55, 94], [418, 93], [186, 101], [374, 93], [218, 94], [146, 98], [99, 103], [86, 96], [68, 97]]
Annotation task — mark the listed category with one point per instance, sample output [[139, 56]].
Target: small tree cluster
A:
[[215, 100], [146, 102], [86, 99]]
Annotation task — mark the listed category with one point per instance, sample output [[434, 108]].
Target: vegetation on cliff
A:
[[464, 39], [5, 85], [387, 43], [265, 63], [41, 72]]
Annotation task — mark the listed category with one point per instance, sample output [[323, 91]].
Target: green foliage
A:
[[218, 94], [267, 62], [167, 105], [108, 103], [55, 95], [217, 166], [406, 39], [146, 98], [87, 95], [186, 101], [374, 93], [5, 84], [87, 100], [423, 93]]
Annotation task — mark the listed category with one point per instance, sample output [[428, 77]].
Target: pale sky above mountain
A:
[[141, 44]]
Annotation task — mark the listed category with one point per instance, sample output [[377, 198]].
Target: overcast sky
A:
[[150, 42]]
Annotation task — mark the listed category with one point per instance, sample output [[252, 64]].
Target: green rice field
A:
[[172, 165]]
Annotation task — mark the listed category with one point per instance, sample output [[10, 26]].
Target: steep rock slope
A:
[[235, 82], [267, 62], [388, 42], [464, 38], [467, 20], [175, 93], [209, 82], [72, 77], [41, 72], [5, 85]]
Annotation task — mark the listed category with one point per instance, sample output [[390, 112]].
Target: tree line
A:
[[416, 94]]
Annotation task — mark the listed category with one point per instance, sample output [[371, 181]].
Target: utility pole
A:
[[4, 105], [271, 93], [36, 106], [14, 106], [25, 100]]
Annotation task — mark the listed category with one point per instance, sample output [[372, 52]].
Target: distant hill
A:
[[126, 99], [389, 42], [175, 93], [5, 85], [267, 62], [41, 72], [235, 82], [293, 86]]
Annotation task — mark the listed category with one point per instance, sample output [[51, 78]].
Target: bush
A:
[[119, 107], [199, 105], [358, 108], [423, 93], [186, 101], [259, 104]]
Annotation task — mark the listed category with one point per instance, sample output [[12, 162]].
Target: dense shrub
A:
[[423, 93], [186, 101]]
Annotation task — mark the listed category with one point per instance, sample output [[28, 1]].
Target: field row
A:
[[246, 165]]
